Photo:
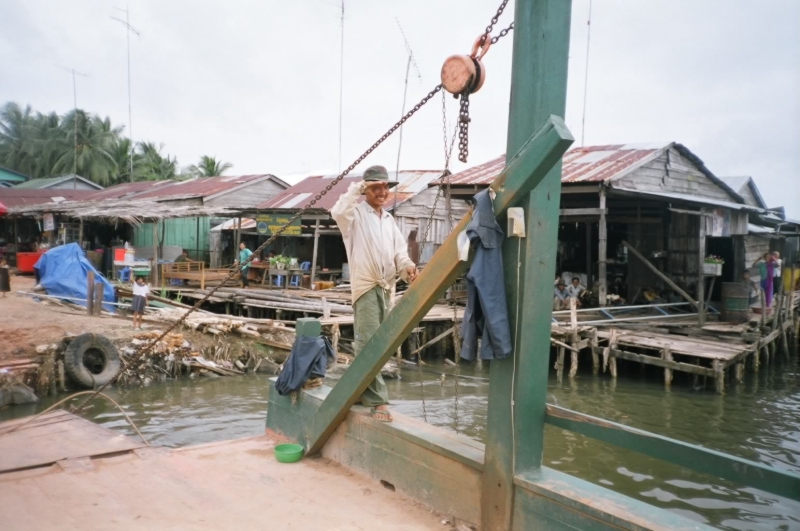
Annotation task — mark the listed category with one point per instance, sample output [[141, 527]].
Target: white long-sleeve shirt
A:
[[376, 249]]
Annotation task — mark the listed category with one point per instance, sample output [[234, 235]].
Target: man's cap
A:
[[561, 282], [378, 174]]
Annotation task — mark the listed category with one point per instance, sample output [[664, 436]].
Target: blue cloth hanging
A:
[[486, 314]]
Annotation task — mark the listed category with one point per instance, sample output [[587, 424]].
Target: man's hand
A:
[[411, 271]]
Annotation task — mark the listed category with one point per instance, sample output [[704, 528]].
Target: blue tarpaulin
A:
[[63, 272]]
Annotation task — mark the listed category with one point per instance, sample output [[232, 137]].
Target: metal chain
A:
[[490, 27], [463, 128], [146, 348], [502, 33]]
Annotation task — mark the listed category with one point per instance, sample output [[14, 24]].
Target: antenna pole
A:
[[586, 74], [400, 136], [341, 86], [128, 30]]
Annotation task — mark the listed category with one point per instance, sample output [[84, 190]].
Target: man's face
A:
[[746, 277], [140, 281], [376, 194], [242, 246], [561, 287], [576, 282]]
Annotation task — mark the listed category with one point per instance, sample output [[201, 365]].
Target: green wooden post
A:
[[523, 172], [538, 90]]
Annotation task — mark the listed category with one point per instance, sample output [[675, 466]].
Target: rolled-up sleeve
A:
[[343, 212], [401, 258]]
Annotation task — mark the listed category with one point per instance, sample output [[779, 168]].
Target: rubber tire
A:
[[77, 371]]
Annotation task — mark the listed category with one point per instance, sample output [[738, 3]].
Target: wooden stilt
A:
[[574, 339], [595, 356], [701, 283], [90, 293], [740, 371], [560, 364], [602, 249], [719, 376], [666, 355], [98, 298]]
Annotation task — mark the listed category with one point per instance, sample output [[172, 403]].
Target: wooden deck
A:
[[234, 484], [193, 272], [56, 436]]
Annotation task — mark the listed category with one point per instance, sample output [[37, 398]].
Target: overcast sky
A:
[[256, 83]]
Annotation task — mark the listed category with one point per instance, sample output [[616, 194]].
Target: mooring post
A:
[[538, 90], [90, 293]]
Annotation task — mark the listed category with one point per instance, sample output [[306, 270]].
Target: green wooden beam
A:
[[697, 458], [538, 90], [522, 173]]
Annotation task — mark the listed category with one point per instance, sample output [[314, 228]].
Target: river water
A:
[[758, 420]]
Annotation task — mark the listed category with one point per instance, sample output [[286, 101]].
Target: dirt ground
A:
[[26, 323]]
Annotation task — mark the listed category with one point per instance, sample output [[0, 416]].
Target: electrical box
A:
[[516, 222]]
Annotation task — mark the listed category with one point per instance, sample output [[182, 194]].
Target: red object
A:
[[26, 261], [119, 254], [3, 209]]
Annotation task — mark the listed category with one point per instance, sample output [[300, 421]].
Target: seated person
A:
[[578, 292], [560, 296], [184, 257]]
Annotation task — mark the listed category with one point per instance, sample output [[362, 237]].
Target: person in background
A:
[[377, 253], [576, 290], [141, 292], [560, 295], [244, 254], [5, 277], [752, 287], [766, 270], [184, 257], [776, 259]]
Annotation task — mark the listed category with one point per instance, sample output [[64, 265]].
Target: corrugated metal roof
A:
[[202, 186], [740, 182], [128, 189], [580, 164], [412, 182], [48, 182], [13, 197]]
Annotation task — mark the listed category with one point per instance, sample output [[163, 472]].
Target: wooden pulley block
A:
[[466, 73]]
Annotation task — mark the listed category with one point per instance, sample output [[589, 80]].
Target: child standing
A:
[[5, 277], [140, 293]]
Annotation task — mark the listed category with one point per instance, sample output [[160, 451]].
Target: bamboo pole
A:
[[701, 282], [661, 275], [154, 269], [314, 256], [602, 249], [90, 293]]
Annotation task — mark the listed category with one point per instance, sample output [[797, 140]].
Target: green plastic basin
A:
[[288, 453]]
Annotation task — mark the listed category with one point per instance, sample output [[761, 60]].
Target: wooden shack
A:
[[663, 202]]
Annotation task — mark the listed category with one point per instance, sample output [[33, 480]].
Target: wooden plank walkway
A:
[[55, 436]]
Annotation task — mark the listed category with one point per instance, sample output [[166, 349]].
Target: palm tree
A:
[[121, 153], [49, 144], [92, 158], [16, 138], [152, 165], [209, 167]]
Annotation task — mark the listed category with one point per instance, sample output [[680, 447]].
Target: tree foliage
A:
[[209, 167], [48, 145]]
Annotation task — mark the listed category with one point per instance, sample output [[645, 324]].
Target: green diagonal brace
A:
[[539, 154]]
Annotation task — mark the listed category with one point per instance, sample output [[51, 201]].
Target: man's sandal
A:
[[381, 415]]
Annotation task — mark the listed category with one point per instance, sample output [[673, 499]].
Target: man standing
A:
[[244, 254], [377, 254]]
